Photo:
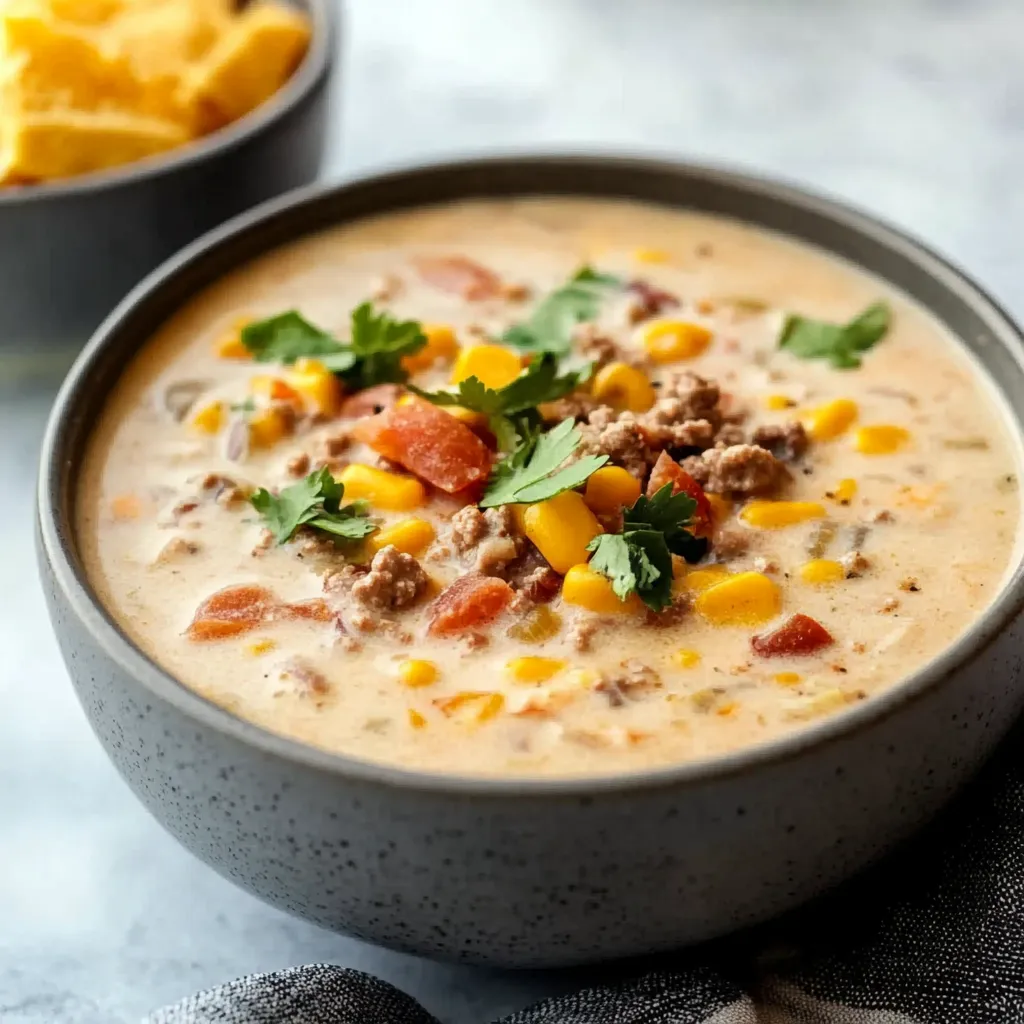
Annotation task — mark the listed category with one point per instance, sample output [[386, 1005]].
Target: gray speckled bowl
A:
[[72, 249], [532, 873]]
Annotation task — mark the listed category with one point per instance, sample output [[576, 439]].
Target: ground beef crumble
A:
[[672, 614], [598, 347], [581, 634], [631, 682], [309, 680], [646, 301], [492, 533], [696, 397], [687, 415], [395, 580], [741, 470], [730, 543], [786, 441], [573, 407], [621, 438]]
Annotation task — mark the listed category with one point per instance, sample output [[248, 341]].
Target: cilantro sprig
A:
[[840, 344], [315, 502], [531, 473], [639, 559], [372, 356], [549, 328], [511, 411]]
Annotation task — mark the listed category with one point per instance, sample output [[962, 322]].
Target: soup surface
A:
[[829, 489]]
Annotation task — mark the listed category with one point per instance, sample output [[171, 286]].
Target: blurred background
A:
[[911, 108]]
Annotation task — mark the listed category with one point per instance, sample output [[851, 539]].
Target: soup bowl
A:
[[532, 872], [71, 249]]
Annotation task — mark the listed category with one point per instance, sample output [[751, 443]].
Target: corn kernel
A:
[[669, 341], [646, 255], [416, 720], [823, 703], [267, 427], [415, 672], [623, 387], [774, 515], [232, 347], [611, 488], [920, 497], [787, 678], [532, 669], [126, 506], [821, 571], [381, 488], [776, 403], [582, 678], [685, 658], [230, 344], [210, 418], [561, 528], [471, 705], [588, 589], [274, 388], [441, 344], [260, 647], [844, 491], [721, 507], [411, 536], [830, 420], [698, 580], [492, 365], [880, 439], [316, 385], [746, 599]]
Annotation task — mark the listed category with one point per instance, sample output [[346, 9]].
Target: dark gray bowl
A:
[[532, 873], [71, 250]]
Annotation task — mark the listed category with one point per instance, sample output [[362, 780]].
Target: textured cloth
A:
[[935, 936]]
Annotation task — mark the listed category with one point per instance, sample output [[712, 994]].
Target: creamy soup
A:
[[708, 486]]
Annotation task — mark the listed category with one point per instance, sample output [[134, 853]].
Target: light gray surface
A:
[[913, 109]]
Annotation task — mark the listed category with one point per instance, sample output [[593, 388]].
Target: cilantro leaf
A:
[[611, 558], [379, 342], [511, 410], [841, 344], [639, 559], [549, 328], [665, 512], [531, 473], [316, 502], [373, 356]]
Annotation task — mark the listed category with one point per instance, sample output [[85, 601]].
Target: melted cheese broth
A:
[[941, 514]]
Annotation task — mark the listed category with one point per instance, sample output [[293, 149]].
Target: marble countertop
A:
[[914, 110]]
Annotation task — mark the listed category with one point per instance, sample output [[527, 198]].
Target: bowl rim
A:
[[316, 66], [57, 547]]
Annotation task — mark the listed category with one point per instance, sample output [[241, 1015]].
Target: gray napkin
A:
[[936, 936]]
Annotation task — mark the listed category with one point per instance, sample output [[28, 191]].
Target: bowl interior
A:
[[960, 305]]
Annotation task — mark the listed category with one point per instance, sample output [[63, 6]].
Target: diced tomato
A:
[[371, 401], [428, 442], [668, 471], [471, 601], [798, 635], [231, 612], [316, 610], [281, 391], [460, 276]]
